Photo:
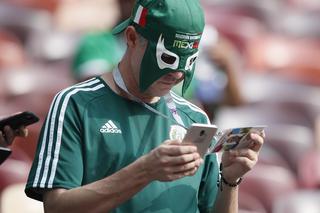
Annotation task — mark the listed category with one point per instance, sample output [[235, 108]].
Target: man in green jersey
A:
[[112, 143]]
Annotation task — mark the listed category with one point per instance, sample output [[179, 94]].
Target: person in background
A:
[[218, 71], [97, 53], [216, 80], [110, 144]]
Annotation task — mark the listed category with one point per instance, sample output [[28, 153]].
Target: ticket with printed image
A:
[[235, 138]]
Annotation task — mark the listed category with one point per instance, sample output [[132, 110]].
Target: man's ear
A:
[[131, 36]]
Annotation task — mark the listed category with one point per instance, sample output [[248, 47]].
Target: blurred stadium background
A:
[[263, 69]]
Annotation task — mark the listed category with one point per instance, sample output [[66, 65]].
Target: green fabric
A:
[[97, 53], [91, 133], [179, 23]]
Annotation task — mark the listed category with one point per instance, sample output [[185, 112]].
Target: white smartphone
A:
[[200, 135]]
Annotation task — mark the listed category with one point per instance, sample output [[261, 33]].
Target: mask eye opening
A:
[[168, 59], [192, 60]]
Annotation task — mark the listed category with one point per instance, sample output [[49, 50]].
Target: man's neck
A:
[[131, 85]]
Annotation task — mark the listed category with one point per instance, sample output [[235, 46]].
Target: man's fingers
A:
[[2, 140], [246, 163], [178, 175], [248, 153], [188, 172], [179, 160], [22, 132], [184, 167], [175, 150], [9, 135], [186, 158], [257, 141]]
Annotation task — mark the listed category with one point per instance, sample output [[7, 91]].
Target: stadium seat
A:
[[250, 204], [270, 156], [281, 55], [304, 201], [291, 141], [309, 169], [13, 171], [267, 183], [232, 27], [289, 131]]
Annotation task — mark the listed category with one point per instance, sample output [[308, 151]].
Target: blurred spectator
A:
[[216, 77], [100, 51], [226, 66], [97, 53]]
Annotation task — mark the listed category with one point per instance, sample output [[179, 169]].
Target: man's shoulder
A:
[[82, 91], [190, 109]]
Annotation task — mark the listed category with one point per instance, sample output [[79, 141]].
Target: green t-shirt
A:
[[91, 132]]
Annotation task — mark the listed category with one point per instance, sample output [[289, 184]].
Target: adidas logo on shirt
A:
[[110, 127]]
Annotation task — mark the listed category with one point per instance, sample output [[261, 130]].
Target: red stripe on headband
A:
[[143, 18], [195, 44]]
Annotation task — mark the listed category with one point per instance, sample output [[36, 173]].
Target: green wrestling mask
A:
[[173, 29]]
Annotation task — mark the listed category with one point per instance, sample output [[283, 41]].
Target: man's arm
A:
[[100, 196], [235, 164], [227, 200], [170, 161]]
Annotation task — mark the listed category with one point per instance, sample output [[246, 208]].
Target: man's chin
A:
[[165, 88], [161, 91]]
